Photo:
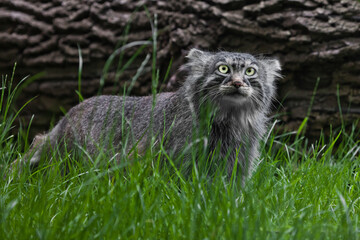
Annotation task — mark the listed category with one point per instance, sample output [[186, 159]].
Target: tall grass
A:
[[301, 190]]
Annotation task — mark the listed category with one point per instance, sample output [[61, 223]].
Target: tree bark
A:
[[314, 39]]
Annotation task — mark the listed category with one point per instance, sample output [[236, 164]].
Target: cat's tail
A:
[[40, 144], [31, 158]]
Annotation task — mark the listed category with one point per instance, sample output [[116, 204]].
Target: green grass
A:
[[300, 191]]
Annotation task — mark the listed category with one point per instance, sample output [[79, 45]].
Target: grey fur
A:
[[239, 122]]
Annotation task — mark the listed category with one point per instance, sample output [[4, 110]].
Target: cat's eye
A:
[[223, 69], [250, 71]]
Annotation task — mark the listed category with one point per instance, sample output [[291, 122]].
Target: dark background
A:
[[312, 39]]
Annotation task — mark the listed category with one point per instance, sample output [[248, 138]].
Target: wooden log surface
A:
[[314, 39]]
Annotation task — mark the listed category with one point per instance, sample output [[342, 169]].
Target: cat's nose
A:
[[238, 84]]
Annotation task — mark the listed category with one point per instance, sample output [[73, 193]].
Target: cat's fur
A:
[[237, 126]]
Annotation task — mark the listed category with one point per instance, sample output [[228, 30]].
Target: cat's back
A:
[[104, 108], [105, 105]]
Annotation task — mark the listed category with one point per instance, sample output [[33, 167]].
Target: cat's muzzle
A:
[[238, 84], [236, 91]]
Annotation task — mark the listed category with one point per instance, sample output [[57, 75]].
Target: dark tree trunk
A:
[[312, 38]]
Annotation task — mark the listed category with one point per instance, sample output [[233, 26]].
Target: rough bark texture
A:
[[312, 38]]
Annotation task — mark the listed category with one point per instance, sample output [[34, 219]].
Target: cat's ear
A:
[[196, 54], [272, 67]]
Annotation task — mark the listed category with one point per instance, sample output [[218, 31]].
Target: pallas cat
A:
[[237, 87]]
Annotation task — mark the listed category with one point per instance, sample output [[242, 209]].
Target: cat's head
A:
[[233, 79]]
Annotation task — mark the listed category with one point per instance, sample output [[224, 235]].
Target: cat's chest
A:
[[236, 127]]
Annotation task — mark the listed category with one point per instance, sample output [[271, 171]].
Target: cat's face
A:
[[234, 79]]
